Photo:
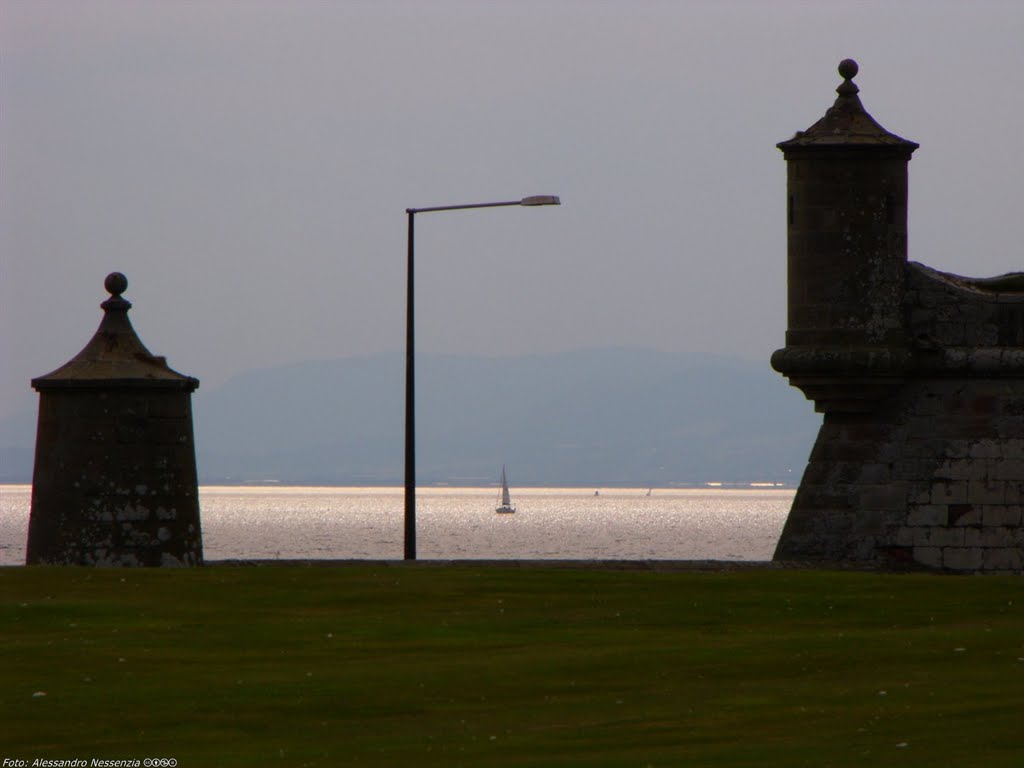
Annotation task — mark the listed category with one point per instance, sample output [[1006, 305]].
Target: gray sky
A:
[[248, 165]]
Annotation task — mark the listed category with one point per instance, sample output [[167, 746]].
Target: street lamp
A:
[[410, 358]]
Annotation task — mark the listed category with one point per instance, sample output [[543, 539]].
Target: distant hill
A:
[[589, 417], [593, 417]]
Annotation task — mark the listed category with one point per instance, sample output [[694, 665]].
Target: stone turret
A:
[[115, 472], [919, 374], [847, 255]]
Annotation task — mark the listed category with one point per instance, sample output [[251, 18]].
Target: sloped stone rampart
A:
[[933, 478]]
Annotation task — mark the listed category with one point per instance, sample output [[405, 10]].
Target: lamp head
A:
[[541, 200]]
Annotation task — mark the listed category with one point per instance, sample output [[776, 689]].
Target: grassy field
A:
[[377, 665]]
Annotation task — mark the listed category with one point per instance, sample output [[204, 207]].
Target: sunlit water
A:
[[460, 523]]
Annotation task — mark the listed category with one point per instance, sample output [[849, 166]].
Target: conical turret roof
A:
[[115, 356], [847, 124]]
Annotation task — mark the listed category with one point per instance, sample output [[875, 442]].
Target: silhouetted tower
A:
[[847, 254], [114, 481]]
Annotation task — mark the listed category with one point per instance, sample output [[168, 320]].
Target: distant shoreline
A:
[[455, 486]]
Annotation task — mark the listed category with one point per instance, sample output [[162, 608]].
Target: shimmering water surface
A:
[[460, 523]]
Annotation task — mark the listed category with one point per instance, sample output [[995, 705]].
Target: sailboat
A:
[[505, 507]]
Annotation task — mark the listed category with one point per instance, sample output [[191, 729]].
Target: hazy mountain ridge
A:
[[602, 416], [587, 417]]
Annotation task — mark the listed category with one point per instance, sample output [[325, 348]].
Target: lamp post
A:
[[410, 360]]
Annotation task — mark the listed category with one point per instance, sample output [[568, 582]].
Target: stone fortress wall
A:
[[919, 462]]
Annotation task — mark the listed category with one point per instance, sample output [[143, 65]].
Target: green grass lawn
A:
[[377, 665]]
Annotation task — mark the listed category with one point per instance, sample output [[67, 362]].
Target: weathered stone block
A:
[[938, 537], [892, 496], [1013, 448], [997, 515], [928, 515], [876, 473], [869, 522], [951, 492], [921, 496], [1003, 559], [1014, 492], [1008, 469], [958, 449], [963, 558], [930, 557], [986, 449], [986, 492], [996, 537], [962, 469]]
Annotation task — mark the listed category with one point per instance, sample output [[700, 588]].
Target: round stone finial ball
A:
[[116, 283], [848, 69]]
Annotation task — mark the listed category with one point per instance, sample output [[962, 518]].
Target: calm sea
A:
[[460, 523]]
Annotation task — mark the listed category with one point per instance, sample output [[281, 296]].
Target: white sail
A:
[[506, 500]]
